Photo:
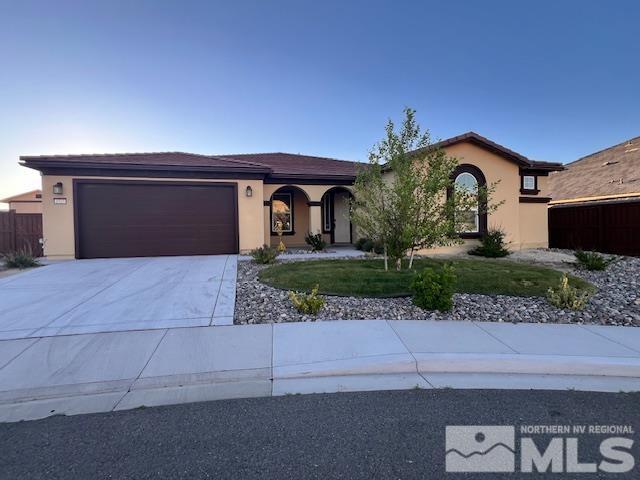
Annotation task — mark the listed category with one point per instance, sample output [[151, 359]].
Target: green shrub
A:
[[493, 245], [566, 296], [367, 245], [316, 242], [307, 303], [433, 290], [592, 260], [20, 259], [265, 254], [360, 243]]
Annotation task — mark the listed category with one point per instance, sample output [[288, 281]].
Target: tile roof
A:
[[612, 171], [484, 142], [275, 165], [155, 158], [293, 164]]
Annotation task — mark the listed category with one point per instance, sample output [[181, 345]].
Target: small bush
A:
[[493, 245], [20, 259], [360, 243], [434, 290], [307, 303], [377, 248], [566, 296], [592, 260], [367, 245], [316, 242], [265, 254]]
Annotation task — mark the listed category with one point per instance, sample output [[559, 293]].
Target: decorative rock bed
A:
[[617, 301]]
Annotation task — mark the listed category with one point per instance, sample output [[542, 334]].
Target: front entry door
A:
[[342, 224]]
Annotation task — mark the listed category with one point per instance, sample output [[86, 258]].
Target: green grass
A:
[[367, 278]]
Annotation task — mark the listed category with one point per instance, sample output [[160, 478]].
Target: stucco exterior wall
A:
[[58, 220], [534, 226], [312, 215], [496, 169], [524, 224]]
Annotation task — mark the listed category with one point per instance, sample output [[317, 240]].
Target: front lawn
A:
[[367, 278]]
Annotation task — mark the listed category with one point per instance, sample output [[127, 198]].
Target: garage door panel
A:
[[151, 219]]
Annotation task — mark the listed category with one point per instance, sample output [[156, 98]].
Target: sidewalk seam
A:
[[584, 327], [142, 369], [495, 338], [215, 305], [273, 328], [415, 360], [21, 351]]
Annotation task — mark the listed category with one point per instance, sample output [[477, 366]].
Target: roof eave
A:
[[61, 165]]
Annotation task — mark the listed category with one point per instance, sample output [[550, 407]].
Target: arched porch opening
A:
[[336, 221], [289, 210]]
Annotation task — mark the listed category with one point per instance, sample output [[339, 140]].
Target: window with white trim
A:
[[470, 220], [529, 182], [282, 213]]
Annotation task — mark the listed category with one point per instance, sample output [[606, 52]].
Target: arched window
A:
[[470, 221], [470, 178]]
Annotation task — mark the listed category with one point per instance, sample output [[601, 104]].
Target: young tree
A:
[[406, 198]]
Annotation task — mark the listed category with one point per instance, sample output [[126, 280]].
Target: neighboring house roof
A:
[[31, 196], [609, 173]]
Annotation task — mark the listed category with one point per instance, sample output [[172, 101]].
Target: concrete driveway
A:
[[106, 295]]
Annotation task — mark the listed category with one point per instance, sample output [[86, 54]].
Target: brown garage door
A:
[[140, 219]]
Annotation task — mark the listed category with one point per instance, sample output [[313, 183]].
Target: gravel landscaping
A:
[[617, 301]]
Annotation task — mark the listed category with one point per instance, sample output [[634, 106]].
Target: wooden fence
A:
[[612, 227], [20, 231]]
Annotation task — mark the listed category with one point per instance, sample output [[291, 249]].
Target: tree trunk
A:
[[386, 259], [411, 258], [399, 264]]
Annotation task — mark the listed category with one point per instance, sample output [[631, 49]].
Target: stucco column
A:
[[267, 222], [315, 217]]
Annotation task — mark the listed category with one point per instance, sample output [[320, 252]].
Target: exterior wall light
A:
[[249, 191], [57, 188]]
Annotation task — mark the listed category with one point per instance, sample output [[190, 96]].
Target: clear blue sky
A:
[[552, 80]]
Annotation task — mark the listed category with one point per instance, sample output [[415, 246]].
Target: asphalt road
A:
[[390, 435]]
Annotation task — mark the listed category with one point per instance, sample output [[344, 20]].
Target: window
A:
[[469, 218], [529, 182], [281, 213], [326, 213]]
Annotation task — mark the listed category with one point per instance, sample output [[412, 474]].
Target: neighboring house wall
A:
[[29, 202], [58, 220], [26, 207]]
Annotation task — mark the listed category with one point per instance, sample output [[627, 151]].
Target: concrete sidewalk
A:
[[122, 370]]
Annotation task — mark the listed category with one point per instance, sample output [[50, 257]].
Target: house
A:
[[28, 202], [596, 201], [173, 203]]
